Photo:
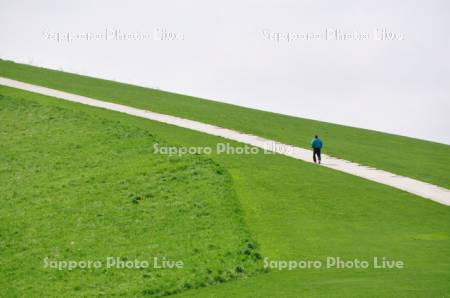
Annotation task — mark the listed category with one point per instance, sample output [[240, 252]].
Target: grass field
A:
[[79, 187], [426, 161], [291, 209]]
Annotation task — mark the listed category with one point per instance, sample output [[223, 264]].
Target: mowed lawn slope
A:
[[423, 160], [79, 187], [295, 210]]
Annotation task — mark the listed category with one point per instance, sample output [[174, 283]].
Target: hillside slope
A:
[[423, 160], [295, 211]]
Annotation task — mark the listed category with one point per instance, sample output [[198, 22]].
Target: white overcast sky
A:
[[222, 51]]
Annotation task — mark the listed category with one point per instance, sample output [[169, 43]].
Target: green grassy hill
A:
[[77, 187], [291, 209], [400, 155]]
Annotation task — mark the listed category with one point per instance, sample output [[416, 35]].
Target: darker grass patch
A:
[[77, 187]]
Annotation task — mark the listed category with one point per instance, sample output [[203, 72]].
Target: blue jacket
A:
[[316, 143]]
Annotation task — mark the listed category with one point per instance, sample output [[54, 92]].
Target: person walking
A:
[[316, 145]]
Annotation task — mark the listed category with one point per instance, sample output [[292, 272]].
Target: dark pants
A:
[[316, 152]]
